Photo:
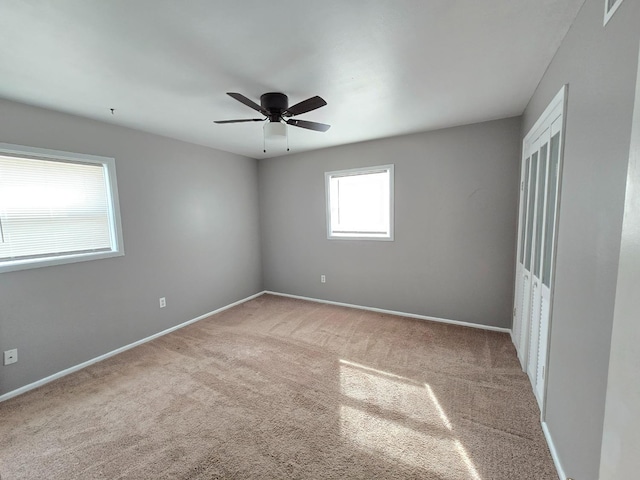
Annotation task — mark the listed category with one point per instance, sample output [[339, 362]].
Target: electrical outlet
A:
[[323, 279], [10, 356], [163, 302]]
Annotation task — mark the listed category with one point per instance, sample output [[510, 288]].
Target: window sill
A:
[[25, 264]]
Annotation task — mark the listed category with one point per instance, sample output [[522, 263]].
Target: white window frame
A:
[[610, 10], [115, 223], [360, 171]]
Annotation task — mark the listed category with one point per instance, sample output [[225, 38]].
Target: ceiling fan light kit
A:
[[275, 108], [275, 136], [274, 130]]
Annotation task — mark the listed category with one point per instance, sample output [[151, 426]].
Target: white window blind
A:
[[55, 208], [359, 203]]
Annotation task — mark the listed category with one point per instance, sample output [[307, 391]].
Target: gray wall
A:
[[190, 223], [455, 225], [599, 64], [621, 435]]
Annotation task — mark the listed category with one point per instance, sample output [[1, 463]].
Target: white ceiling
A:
[[385, 67]]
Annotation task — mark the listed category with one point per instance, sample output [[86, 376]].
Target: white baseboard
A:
[[554, 453], [82, 365], [513, 340], [392, 312]]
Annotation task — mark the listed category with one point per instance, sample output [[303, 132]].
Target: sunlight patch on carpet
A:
[[395, 416], [436, 403]]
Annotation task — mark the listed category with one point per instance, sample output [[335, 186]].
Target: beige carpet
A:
[[282, 388]]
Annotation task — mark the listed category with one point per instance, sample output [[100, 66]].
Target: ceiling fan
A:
[[275, 108]]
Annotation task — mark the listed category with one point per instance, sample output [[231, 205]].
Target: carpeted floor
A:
[[279, 388]]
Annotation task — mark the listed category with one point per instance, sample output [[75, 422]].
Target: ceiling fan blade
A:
[[305, 106], [249, 103], [240, 121], [318, 127]]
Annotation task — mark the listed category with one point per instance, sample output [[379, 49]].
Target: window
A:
[[610, 7], [56, 207], [360, 203]]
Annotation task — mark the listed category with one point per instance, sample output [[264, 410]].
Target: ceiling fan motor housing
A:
[[275, 103]]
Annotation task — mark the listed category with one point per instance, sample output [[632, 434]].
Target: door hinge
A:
[[522, 186], [543, 372], [514, 311]]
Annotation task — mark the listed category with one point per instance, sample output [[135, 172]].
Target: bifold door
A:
[[539, 188]]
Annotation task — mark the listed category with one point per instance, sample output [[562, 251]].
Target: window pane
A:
[[524, 209], [551, 209], [532, 193], [542, 182], [52, 207], [360, 203]]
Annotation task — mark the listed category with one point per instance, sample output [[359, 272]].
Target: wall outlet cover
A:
[[10, 356]]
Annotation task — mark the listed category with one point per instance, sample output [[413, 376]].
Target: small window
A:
[[56, 207], [610, 7], [360, 203]]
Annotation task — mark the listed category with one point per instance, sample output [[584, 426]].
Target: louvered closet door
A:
[[548, 248], [523, 278], [539, 195], [535, 311], [520, 271]]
